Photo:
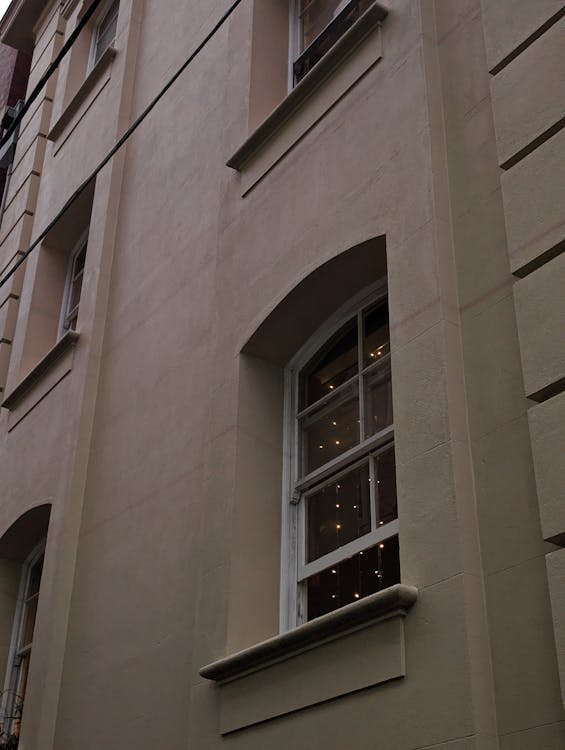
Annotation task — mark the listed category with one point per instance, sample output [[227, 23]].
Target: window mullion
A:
[[375, 366], [301, 561], [373, 493], [311, 580], [379, 440], [328, 398], [381, 534], [360, 334]]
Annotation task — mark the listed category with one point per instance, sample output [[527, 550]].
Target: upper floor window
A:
[[73, 288], [22, 643], [105, 32], [342, 466], [318, 24]]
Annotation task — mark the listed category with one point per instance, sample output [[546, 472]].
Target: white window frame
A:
[[293, 40], [80, 245], [294, 568], [12, 672], [100, 18]]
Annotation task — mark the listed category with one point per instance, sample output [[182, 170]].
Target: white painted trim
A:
[[99, 16], [293, 43], [380, 440], [10, 678], [329, 397], [287, 597], [83, 240]]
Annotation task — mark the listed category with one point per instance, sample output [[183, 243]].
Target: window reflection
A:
[[355, 497], [378, 400], [333, 365], [330, 431], [339, 512], [366, 573], [315, 15], [385, 472], [376, 334]]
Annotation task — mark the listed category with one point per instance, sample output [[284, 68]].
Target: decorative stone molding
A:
[[355, 647], [393, 601], [81, 95], [66, 342]]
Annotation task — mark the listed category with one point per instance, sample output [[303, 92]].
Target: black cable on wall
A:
[[13, 124], [133, 127]]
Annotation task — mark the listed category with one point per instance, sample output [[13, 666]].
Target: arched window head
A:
[[340, 498]]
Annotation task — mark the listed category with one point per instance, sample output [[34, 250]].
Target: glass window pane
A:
[[333, 365], [376, 334], [338, 513], [315, 16], [78, 265], [378, 400], [74, 294], [28, 626], [321, 24], [106, 32], [17, 707], [330, 430], [75, 288], [363, 574], [30, 605], [385, 470], [35, 577]]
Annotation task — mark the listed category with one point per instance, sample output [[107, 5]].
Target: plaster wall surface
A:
[[161, 447], [529, 130]]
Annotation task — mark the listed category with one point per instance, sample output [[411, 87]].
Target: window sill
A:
[[81, 95], [395, 600], [38, 373], [355, 647], [303, 90]]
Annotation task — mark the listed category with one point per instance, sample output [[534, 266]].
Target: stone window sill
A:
[[82, 94], [39, 372], [395, 600], [311, 81], [355, 647]]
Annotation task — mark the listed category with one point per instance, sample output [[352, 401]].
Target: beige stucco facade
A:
[[427, 149]]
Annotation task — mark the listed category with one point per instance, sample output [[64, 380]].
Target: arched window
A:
[[340, 492], [13, 698]]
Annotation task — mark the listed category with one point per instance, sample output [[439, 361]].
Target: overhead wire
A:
[[48, 73], [127, 134]]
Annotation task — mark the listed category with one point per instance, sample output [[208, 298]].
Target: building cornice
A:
[[18, 22]]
